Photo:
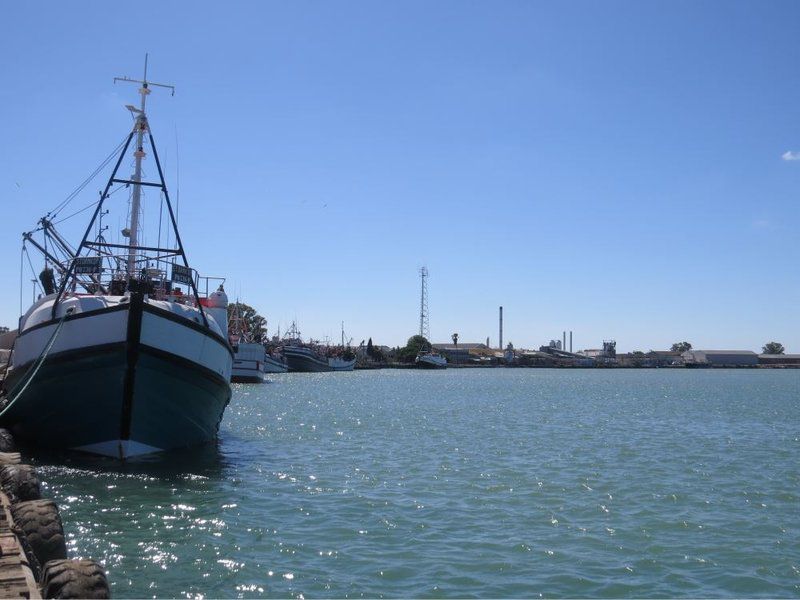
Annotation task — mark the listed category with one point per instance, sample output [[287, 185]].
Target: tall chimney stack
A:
[[501, 328]]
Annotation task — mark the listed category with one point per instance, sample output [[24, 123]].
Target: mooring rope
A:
[[13, 395]]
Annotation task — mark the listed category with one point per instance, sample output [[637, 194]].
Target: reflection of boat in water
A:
[[121, 355], [430, 360]]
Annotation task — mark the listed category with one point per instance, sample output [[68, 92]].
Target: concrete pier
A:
[[16, 576]]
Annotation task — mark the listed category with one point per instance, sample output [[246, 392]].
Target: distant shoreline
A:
[[375, 367]]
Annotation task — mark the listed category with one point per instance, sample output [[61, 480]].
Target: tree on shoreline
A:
[[773, 348], [681, 347], [415, 345], [252, 323]]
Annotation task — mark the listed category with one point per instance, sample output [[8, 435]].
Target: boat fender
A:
[[41, 524], [218, 299], [217, 304], [74, 579], [7, 441], [20, 482]]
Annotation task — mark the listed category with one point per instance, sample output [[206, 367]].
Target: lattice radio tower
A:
[[424, 327]]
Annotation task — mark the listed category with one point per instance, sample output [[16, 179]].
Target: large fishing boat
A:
[[306, 359], [121, 355]]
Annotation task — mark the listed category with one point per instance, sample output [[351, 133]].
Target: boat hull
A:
[[426, 362], [172, 406], [272, 365], [305, 363], [341, 364], [160, 387], [248, 363], [304, 360], [248, 371]]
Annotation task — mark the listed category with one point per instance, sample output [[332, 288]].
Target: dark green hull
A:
[[78, 401]]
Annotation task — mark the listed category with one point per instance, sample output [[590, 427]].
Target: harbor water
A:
[[461, 483]]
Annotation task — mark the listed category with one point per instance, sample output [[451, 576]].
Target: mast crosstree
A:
[[140, 127], [139, 258]]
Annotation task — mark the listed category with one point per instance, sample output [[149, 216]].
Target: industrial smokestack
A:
[[501, 328], [570, 341]]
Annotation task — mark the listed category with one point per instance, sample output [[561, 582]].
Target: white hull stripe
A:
[[172, 337]]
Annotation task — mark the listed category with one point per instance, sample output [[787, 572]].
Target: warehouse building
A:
[[462, 352], [779, 360], [720, 358]]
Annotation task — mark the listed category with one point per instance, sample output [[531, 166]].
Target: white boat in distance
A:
[[430, 360], [249, 364], [122, 355], [252, 363]]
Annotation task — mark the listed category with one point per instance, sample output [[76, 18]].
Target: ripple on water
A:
[[494, 483]]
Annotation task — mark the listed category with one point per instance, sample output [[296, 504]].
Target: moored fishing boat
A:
[[308, 360], [252, 362], [249, 363], [121, 355], [314, 358]]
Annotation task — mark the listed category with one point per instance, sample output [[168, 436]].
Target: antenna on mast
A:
[[140, 127], [144, 82]]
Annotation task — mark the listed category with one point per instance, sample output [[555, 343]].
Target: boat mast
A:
[[140, 127]]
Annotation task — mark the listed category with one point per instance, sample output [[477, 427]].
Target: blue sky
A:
[[613, 168]]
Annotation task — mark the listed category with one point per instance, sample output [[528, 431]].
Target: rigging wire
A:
[[86, 181], [160, 215], [13, 395], [33, 272], [85, 208], [178, 177], [21, 269]]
